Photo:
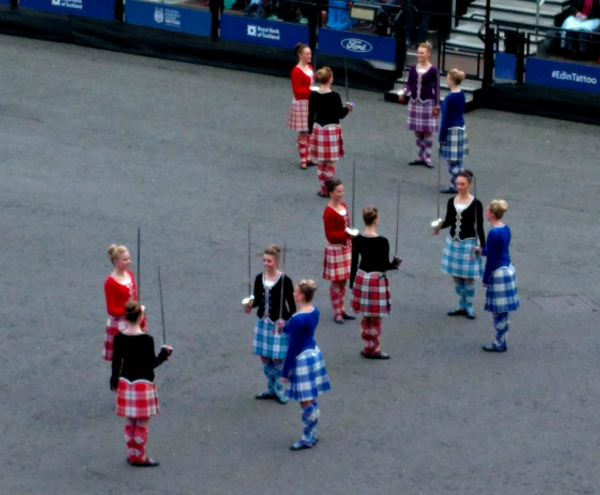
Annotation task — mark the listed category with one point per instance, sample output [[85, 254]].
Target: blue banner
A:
[[5, 1], [271, 33], [505, 66], [161, 16], [98, 9], [357, 45], [562, 75]]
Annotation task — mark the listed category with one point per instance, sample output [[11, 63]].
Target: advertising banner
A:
[[357, 45], [271, 33], [505, 66], [562, 75], [98, 9], [161, 16]]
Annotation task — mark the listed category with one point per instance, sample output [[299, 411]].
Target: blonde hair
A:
[[308, 288], [427, 45], [115, 251], [273, 250], [457, 76], [324, 74], [370, 214], [133, 310], [498, 207]]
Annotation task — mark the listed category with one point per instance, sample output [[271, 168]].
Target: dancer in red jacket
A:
[[302, 78], [119, 288], [338, 251]]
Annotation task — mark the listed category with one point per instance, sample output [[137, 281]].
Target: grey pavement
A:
[[94, 144]]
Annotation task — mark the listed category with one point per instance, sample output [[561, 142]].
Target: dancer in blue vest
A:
[[454, 143], [269, 343], [304, 367], [500, 276]]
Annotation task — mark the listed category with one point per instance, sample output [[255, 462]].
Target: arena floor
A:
[[95, 144]]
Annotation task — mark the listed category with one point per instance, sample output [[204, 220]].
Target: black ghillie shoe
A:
[[147, 463], [494, 348], [458, 312], [300, 445], [265, 396]]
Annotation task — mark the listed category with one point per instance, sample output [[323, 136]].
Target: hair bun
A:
[[111, 249]]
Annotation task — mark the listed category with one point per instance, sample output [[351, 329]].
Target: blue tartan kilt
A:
[[457, 144], [501, 295], [309, 376], [267, 343], [459, 260]]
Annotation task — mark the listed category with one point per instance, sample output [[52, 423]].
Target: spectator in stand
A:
[[417, 10], [338, 16], [256, 7], [585, 17]]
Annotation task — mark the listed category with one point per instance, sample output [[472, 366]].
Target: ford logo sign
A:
[[356, 45]]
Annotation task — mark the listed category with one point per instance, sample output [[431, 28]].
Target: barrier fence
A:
[[361, 30]]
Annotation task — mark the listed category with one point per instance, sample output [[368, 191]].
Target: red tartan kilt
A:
[[326, 143], [137, 399], [114, 325], [371, 294], [298, 117], [337, 262]]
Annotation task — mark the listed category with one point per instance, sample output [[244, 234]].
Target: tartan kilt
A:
[[298, 117], [337, 262], [501, 295], [420, 116], [457, 144], [371, 294], [326, 143], [114, 325], [459, 260], [268, 344], [137, 399], [309, 377]]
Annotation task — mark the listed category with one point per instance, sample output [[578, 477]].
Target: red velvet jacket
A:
[[335, 226], [118, 294], [301, 83]]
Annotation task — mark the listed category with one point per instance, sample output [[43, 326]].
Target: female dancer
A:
[[500, 276], [453, 136], [268, 342], [423, 90], [132, 377], [371, 294], [338, 251], [302, 78], [304, 366], [464, 216], [325, 110], [119, 288]]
